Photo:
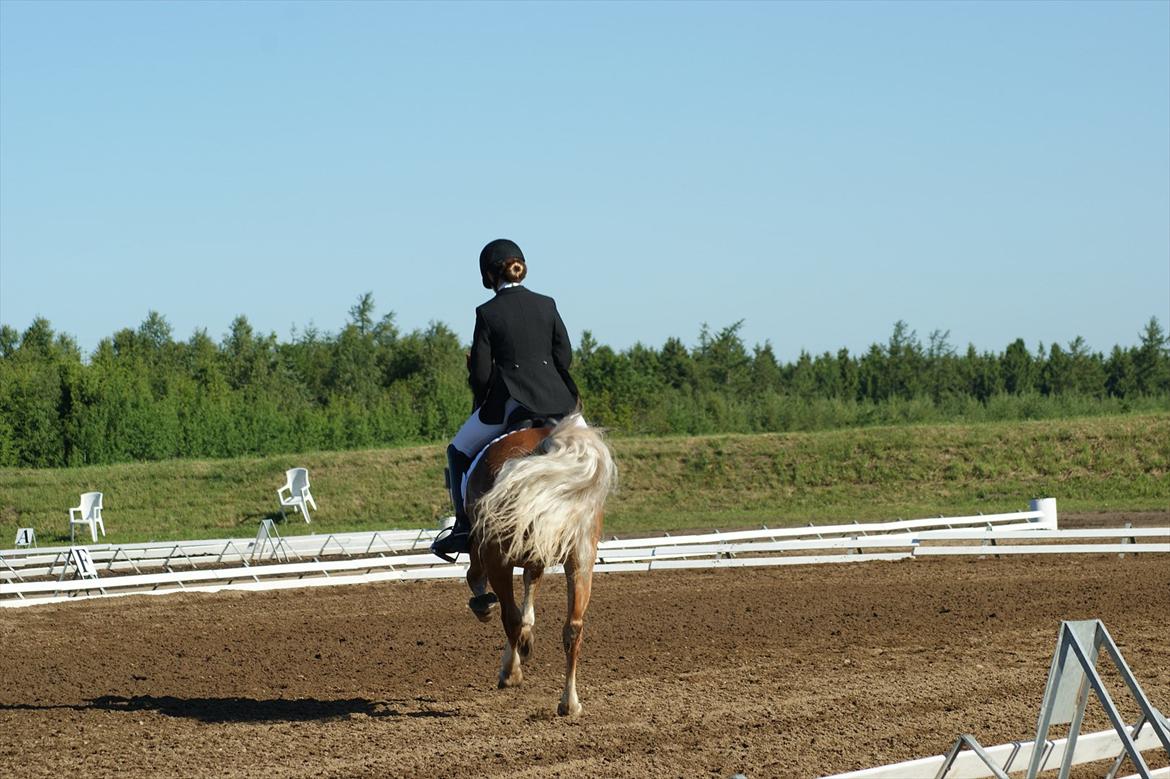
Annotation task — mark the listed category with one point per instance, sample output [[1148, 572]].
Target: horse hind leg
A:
[[501, 579], [528, 612], [579, 582]]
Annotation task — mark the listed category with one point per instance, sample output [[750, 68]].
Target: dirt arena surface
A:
[[773, 672]]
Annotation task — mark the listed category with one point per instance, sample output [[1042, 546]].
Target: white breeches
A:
[[475, 433]]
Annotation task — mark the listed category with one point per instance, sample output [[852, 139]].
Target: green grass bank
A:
[[1091, 464]]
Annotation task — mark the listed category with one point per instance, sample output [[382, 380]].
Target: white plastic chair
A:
[[299, 497], [89, 512]]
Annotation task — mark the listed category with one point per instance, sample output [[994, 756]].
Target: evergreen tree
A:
[[1119, 374], [1151, 363], [1087, 370], [676, 364], [766, 376], [1018, 368], [1056, 377], [802, 380], [722, 360], [904, 362], [848, 378], [982, 372], [944, 377]]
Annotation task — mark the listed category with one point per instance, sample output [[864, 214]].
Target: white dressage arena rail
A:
[[25, 563], [36, 576], [1011, 758]]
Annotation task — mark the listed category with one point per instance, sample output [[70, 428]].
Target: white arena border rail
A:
[[354, 558], [1013, 757], [20, 564], [172, 556]]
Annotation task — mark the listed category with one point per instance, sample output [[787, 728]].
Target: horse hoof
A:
[[509, 681], [569, 711], [483, 606]]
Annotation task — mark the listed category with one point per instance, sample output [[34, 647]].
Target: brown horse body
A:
[[558, 480]]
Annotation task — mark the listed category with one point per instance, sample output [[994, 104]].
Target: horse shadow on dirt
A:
[[226, 710]]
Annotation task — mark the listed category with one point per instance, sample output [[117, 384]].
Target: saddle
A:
[[520, 419], [523, 419]]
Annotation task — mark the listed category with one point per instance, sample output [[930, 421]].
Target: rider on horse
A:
[[519, 361]]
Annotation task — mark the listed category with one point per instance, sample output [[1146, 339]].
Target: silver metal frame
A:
[[978, 749], [269, 537], [1083, 640]]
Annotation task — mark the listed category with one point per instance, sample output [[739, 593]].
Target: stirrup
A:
[[444, 535]]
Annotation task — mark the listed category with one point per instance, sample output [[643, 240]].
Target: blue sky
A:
[[820, 171]]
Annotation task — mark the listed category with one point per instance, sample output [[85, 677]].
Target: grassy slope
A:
[[1108, 463]]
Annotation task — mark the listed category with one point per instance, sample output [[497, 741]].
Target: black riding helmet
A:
[[491, 259]]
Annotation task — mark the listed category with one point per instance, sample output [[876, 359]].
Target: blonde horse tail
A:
[[545, 507]]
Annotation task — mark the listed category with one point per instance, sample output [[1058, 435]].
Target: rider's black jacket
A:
[[520, 350]]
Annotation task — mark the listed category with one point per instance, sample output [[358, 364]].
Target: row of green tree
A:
[[142, 395]]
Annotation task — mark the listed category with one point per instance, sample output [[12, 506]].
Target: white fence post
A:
[[1047, 507]]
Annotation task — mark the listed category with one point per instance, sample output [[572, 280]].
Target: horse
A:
[[536, 499]]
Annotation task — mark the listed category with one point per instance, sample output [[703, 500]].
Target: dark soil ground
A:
[[784, 672]]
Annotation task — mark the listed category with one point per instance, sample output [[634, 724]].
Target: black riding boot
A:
[[457, 540]]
